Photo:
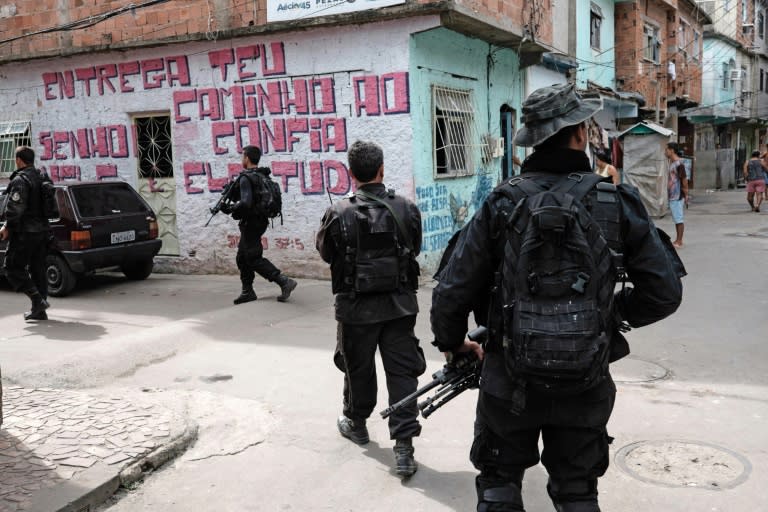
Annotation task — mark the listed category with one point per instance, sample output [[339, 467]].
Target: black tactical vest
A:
[[378, 254]]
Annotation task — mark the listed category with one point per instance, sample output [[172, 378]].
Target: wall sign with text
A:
[[286, 10]]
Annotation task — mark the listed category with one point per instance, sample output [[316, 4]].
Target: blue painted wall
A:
[[446, 58], [597, 66], [717, 52]]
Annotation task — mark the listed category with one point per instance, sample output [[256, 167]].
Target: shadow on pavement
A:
[[66, 331], [455, 490], [23, 472]]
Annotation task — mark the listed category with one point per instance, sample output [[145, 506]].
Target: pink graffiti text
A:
[[271, 58], [280, 135], [123, 77], [385, 94], [191, 169], [100, 142], [63, 172], [275, 97]]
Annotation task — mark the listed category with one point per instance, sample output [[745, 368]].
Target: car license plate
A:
[[123, 236]]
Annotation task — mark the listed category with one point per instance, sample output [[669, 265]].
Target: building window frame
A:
[[453, 132], [652, 46], [761, 25], [726, 75], [13, 134], [696, 50], [155, 143], [595, 26], [683, 42]]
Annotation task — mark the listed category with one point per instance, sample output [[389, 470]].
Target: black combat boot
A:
[[354, 431], [405, 465], [39, 305], [247, 295], [287, 285]]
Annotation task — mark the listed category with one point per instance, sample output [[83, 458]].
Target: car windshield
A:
[[105, 200]]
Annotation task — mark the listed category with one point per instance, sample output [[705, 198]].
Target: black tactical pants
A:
[[250, 254], [403, 362], [26, 253], [575, 448]]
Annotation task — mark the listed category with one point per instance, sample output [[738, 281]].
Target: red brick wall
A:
[[175, 20], [633, 71], [188, 19], [689, 71]]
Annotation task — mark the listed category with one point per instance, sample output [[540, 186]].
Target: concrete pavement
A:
[[258, 380]]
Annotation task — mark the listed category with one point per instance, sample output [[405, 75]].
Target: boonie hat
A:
[[548, 110]]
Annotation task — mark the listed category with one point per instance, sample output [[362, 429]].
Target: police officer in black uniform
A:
[[26, 230], [253, 223], [573, 428], [371, 240]]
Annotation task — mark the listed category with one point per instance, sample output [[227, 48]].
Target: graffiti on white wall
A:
[[302, 99]]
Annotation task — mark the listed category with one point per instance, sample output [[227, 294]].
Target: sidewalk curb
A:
[[94, 486], [156, 458]]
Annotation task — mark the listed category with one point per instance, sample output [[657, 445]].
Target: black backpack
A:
[[557, 282], [49, 206], [267, 194], [380, 257]]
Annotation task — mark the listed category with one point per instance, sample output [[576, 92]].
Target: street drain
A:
[[632, 370], [684, 464]]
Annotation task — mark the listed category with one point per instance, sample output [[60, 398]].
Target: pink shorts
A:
[[756, 186]]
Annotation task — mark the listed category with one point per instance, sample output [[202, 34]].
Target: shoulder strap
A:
[[577, 185], [399, 222]]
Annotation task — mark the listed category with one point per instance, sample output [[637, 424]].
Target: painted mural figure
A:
[[371, 241], [249, 199], [528, 387], [27, 231]]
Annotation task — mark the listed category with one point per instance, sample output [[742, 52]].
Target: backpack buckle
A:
[[575, 176], [581, 280], [515, 181]]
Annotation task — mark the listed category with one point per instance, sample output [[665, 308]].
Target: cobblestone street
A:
[[51, 436]]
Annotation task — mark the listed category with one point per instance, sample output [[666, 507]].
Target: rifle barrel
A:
[[410, 398]]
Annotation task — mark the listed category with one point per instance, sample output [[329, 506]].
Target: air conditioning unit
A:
[[735, 74]]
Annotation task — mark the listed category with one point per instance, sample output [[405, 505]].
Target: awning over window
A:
[[13, 128]]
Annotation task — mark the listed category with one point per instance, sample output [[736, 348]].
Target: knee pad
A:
[[507, 498], [573, 495]]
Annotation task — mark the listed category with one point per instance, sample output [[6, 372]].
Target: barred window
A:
[[153, 135], [453, 131], [12, 135]]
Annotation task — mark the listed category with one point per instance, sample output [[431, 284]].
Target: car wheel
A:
[[61, 279], [138, 270]]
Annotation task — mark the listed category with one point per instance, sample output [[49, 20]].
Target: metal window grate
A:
[[153, 135], [455, 134], [12, 135]]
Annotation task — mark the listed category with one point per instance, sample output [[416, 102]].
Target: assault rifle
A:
[[223, 200], [461, 374]]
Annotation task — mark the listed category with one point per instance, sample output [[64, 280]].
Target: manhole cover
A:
[[630, 370], [684, 464]]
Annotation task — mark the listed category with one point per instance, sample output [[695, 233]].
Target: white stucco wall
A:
[[326, 88]]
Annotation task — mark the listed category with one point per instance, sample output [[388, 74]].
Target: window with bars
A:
[[153, 135], [453, 131], [761, 25], [726, 70], [12, 135]]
